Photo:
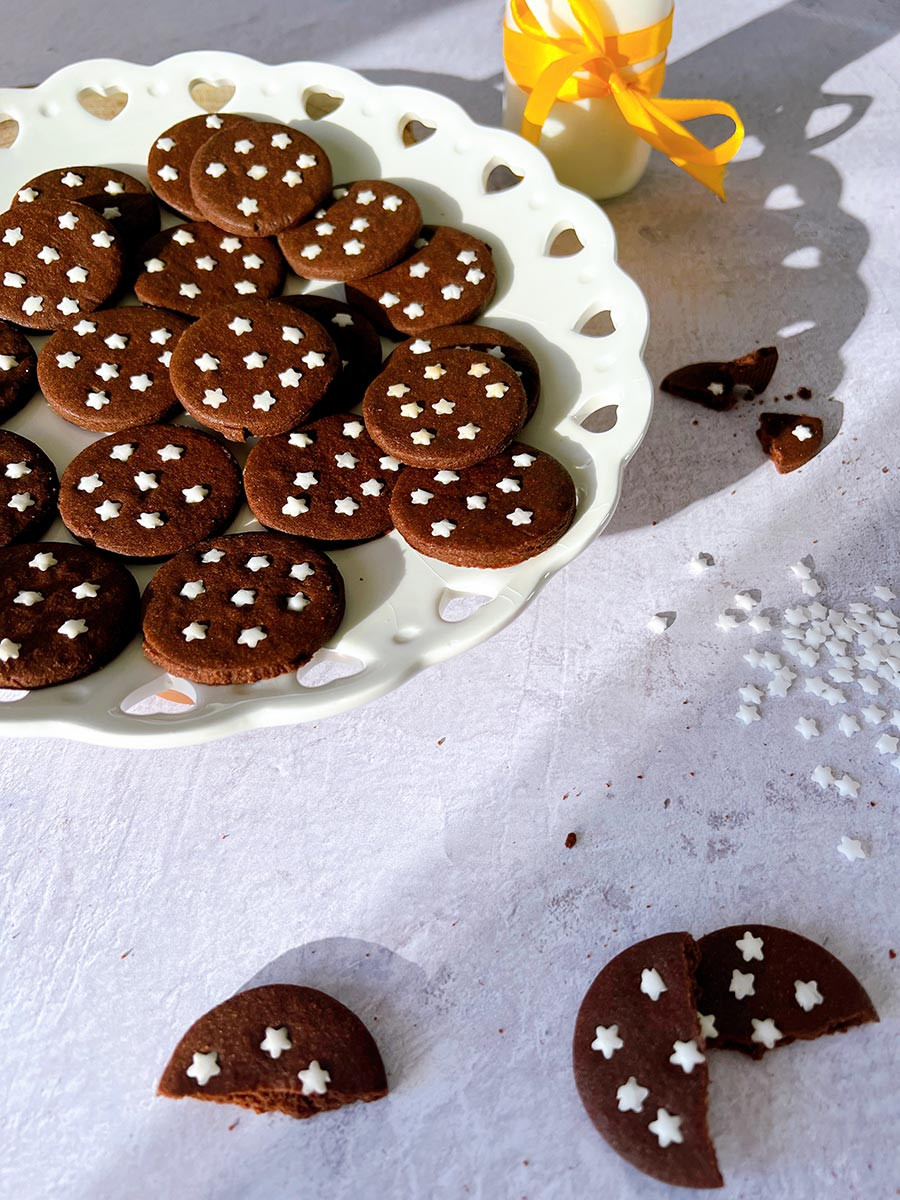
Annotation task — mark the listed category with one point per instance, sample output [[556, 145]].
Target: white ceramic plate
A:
[[400, 606]]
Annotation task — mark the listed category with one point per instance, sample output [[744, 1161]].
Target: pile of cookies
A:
[[433, 453]]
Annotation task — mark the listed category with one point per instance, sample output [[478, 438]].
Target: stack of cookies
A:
[[433, 451]]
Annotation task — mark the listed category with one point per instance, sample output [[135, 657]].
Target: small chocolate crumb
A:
[[804, 393], [788, 395], [571, 839], [892, 953], [441, 741]]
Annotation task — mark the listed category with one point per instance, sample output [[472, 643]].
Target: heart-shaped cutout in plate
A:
[[211, 94], [413, 131], [105, 104], [9, 131], [319, 103]]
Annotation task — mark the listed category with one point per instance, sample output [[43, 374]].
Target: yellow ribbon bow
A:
[[570, 68]]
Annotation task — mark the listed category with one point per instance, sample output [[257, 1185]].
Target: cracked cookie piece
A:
[[279, 1048], [789, 439], [242, 607], [18, 370], [150, 491], [712, 384], [65, 611], [29, 489], [171, 155]]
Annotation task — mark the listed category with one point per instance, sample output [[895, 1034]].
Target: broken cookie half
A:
[[279, 1048], [713, 384]]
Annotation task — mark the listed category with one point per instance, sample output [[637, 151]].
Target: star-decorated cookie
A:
[[447, 408], [495, 514], [18, 370], [171, 155], [150, 491], [279, 1048], [111, 369], [327, 481], [487, 340], [253, 369], [712, 384], [118, 197], [764, 987], [195, 267], [639, 1058], [257, 178], [789, 439], [64, 611], [358, 347], [368, 227], [240, 608], [58, 261], [448, 280], [28, 489]]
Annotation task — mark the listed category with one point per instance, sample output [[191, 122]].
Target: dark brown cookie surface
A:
[[118, 197], [449, 280], [447, 408], [494, 514], [170, 157], [194, 267], [358, 346], [712, 384], [18, 370], [366, 229], [253, 369], [327, 481], [28, 489], [762, 988], [111, 370], [64, 611], [150, 491], [790, 439], [639, 1060], [257, 178], [241, 608], [57, 261], [279, 1048], [488, 340]]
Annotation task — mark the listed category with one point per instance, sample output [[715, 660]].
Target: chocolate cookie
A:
[[639, 1062], [18, 370], [712, 384], [253, 369], [279, 1048], [150, 491], [241, 608], [358, 347], [195, 267], [327, 481], [789, 439], [111, 370], [28, 489], [57, 261], [488, 340], [256, 178], [368, 227], [448, 408], [762, 988], [169, 161], [449, 280], [118, 197], [64, 611], [495, 514]]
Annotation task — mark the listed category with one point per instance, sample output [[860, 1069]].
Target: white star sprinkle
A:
[[9, 649], [212, 556], [725, 621], [766, 1032], [741, 985], [252, 637], [667, 1128], [43, 561], [851, 849], [346, 506], [264, 400], [823, 776], [204, 1066], [257, 562], [314, 1080], [750, 947], [196, 494], [346, 460], [290, 378], [476, 502], [170, 453], [305, 480], [807, 728], [192, 589], [707, 1025], [607, 1040], [750, 694], [295, 506], [372, 487], [652, 983], [214, 398], [747, 714], [152, 520], [255, 361], [759, 623], [21, 501], [442, 528], [17, 470], [207, 362], [29, 599], [630, 1096], [686, 1055], [847, 786], [468, 433], [243, 597], [108, 510], [520, 516], [73, 629], [807, 994], [445, 477], [146, 481], [873, 714], [276, 1041]]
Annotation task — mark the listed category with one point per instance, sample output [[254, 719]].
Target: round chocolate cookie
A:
[[18, 370], [449, 280], [57, 261], [118, 197], [327, 481], [29, 489], [358, 347], [488, 340], [150, 491], [253, 369], [64, 611], [278, 1048], [494, 514], [449, 408], [194, 267], [257, 178], [367, 228], [112, 369], [169, 161], [241, 608], [640, 1067]]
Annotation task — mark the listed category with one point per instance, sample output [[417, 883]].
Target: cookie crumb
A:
[[571, 839], [804, 393]]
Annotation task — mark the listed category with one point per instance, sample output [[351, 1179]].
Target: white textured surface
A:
[[448, 861]]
